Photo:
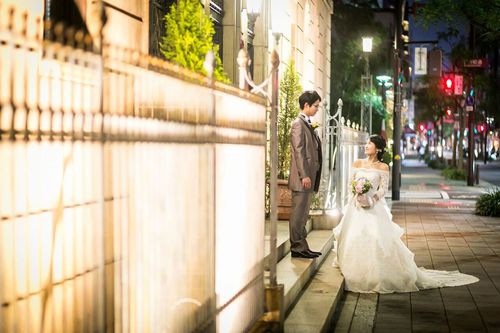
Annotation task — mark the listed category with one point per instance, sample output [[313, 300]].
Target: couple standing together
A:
[[367, 244]]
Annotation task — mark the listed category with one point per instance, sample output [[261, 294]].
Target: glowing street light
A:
[[366, 81], [367, 44]]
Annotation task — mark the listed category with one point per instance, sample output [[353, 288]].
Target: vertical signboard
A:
[[459, 84], [435, 63], [420, 61]]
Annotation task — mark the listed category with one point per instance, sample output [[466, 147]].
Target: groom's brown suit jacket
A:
[[306, 156]]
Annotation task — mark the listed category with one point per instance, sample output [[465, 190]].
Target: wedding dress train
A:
[[370, 253]]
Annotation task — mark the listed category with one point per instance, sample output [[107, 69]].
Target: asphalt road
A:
[[490, 172]]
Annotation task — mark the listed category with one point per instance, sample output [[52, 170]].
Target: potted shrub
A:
[[290, 90], [189, 36]]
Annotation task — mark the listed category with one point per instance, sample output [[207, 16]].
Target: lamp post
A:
[[366, 83], [249, 14], [396, 134]]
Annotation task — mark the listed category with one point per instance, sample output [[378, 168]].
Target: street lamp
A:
[[249, 13], [253, 7], [366, 82], [367, 44]]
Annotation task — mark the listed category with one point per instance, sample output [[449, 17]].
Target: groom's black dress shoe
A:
[[314, 252], [303, 254]]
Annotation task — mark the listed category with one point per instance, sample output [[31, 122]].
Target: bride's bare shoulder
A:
[[357, 164], [382, 166]]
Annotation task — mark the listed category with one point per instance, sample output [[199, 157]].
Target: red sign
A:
[[477, 63], [459, 82]]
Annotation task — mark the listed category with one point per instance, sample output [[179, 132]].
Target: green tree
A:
[[484, 18], [485, 15], [189, 37], [290, 90], [348, 63]]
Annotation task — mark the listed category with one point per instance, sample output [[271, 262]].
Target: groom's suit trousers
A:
[[300, 211]]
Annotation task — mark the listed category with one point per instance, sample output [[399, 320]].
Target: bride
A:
[[368, 247]]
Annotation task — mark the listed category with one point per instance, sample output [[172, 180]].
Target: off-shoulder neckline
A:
[[371, 169]]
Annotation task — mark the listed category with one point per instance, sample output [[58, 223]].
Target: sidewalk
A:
[[443, 232]]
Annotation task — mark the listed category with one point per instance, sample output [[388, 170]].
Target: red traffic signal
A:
[[448, 112], [448, 84], [421, 127], [481, 128]]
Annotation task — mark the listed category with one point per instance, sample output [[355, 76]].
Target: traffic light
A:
[[421, 127], [448, 85], [481, 128]]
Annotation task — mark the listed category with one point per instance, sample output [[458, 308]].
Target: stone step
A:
[[314, 310], [295, 273], [312, 287], [283, 240]]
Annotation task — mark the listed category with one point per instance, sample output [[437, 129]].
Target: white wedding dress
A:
[[370, 253]]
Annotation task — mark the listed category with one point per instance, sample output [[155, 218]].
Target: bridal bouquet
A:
[[361, 185]]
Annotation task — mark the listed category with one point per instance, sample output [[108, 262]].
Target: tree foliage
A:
[[484, 14], [189, 37], [484, 17], [290, 90], [349, 61], [430, 100]]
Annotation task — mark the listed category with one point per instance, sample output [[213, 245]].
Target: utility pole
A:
[[396, 148], [470, 117], [470, 126]]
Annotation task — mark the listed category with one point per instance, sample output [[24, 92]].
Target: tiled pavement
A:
[[444, 234]]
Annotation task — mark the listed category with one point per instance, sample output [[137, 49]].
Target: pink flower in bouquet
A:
[[361, 185]]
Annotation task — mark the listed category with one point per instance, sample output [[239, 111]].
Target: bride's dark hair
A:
[[380, 144]]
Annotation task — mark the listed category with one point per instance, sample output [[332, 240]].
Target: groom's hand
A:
[[306, 182]]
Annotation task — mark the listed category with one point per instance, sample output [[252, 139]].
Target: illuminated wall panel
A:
[[239, 241], [132, 193]]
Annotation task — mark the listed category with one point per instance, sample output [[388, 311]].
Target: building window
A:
[[66, 12], [217, 14], [157, 11]]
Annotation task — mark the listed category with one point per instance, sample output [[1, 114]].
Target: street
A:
[[444, 233], [490, 172]]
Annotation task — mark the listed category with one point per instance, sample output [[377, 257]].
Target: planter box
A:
[[284, 200]]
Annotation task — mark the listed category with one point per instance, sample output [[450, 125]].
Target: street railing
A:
[[128, 190]]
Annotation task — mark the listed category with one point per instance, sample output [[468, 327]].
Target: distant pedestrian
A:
[[494, 154], [305, 172], [421, 152]]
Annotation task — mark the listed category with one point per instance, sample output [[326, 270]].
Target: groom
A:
[[305, 172]]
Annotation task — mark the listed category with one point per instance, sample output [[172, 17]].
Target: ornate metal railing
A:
[[347, 140]]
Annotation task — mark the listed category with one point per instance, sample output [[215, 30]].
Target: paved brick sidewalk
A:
[[444, 234]]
